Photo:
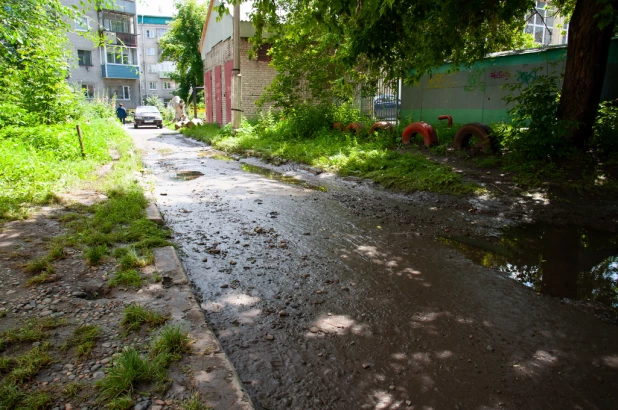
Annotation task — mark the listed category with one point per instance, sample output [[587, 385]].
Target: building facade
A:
[[154, 74], [216, 47], [106, 68], [546, 26]]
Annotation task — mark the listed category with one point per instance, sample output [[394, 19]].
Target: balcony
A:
[[122, 6], [129, 72], [125, 39], [164, 74]]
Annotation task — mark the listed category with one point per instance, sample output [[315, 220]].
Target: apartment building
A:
[[546, 25], [110, 67], [154, 74]]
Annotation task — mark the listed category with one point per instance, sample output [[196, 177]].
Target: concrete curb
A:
[[212, 372]]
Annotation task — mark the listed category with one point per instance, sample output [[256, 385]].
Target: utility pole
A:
[[194, 99], [236, 78]]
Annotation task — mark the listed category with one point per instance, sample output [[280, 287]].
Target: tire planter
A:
[[337, 126], [447, 117], [482, 133], [425, 130], [356, 127], [381, 125]]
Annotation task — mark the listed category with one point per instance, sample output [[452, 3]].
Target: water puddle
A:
[[214, 155], [277, 176], [184, 175], [570, 262]]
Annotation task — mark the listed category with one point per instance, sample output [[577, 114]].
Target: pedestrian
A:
[[121, 113]]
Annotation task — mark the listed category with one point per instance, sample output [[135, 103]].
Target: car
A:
[[386, 106], [148, 115]]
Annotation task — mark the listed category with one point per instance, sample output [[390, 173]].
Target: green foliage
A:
[[83, 339], [179, 44], [605, 138], [12, 397], [535, 131], [172, 341], [95, 254], [128, 369], [156, 101], [134, 315], [129, 277], [195, 402]]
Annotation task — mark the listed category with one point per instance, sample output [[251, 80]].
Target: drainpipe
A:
[[236, 78]]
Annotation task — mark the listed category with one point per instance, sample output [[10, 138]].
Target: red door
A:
[[208, 87], [228, 90], [218, 99]]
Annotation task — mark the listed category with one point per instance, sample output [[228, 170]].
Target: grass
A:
[[95, 254], [34, 330], [39, 265], [172, 341], [129, 278], [23, 368], [135, 315], [83, 339], [194, 402], [12, 397], [44, 277]]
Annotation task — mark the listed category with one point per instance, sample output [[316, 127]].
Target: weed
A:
[[32, 331], [132, 260], [170, 344], [83, 338], [135, 315], [40, 278], [28, 365], [39, 265], [72, 389], [56, 251], [129, 369], [3, 313], [194, 402], [120, 403], [156, 277], [129, 277], [95, 254]]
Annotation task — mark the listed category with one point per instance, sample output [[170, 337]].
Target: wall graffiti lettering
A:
[[506, 75], [474, 80], [440, 81], [526, 77]]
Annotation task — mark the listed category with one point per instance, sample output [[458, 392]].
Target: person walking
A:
[[121, 113]]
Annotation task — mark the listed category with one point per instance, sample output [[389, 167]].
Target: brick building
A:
[[216, 47]]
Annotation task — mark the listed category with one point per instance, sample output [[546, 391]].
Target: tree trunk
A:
[[587, 53]]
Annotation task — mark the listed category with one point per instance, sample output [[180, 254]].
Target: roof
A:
[[154, 20], [224, 26]]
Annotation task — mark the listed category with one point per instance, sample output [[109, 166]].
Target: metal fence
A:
[[384, 104]]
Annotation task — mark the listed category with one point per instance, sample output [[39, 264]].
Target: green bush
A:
[[605, 137]]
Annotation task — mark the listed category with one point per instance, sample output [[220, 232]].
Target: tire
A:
[[381, 125], [485, 141], [448, 118], [337, 126], [135, 125], [357, 127], [429, 135]]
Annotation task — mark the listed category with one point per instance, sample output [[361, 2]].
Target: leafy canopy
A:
[[180, 44]]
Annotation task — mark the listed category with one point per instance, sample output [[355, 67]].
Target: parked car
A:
[[386, 106], [148, 115]]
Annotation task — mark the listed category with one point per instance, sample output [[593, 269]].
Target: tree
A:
[[409, 38], [180, 44]]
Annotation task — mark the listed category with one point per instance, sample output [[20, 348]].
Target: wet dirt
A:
[[184, 175], [347, 299], [277, 176]]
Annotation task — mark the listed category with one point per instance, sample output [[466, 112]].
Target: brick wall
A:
[[256, 75]]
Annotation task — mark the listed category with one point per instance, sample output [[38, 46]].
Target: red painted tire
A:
[[337, 126], [356, 126], [447, 117], [428, 133], [482, 132], [381, 125]]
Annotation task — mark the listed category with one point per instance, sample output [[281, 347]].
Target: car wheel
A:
[[135, 125]]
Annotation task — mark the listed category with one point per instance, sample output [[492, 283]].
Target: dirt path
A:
[[340, 297]]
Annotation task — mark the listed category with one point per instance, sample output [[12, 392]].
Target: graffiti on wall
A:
[[474, 80], [500, 75], [526, 77], [440, 81]]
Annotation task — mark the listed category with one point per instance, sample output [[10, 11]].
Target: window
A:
[[167, 66], [150, 34], [565, 36], [167, 85], [152, 85], [84, 57], [262, 53], [541, 23], [121, 55], [151, 51], [121, 92], [161, 32], [88, 90], [153, 68], [81, 24]]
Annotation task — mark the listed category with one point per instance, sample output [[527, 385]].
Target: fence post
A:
[[81, 141]]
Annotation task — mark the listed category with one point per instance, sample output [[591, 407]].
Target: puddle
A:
[[277, 176], [569, 262], [184, 175]]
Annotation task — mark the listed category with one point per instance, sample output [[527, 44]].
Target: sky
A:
[[156, 7]]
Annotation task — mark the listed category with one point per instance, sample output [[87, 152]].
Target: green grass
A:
[[39, 279], [94, 255], [83, 339], [194, 402], [33, 330], [171, 343], [128, 278], [13, 397], [23, 368], [135, 315], [39, 265]]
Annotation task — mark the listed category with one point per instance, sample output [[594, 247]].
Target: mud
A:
[[347, 298]]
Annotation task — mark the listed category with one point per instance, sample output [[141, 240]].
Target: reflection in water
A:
[[268, 173], [184, 175], [571, 262]]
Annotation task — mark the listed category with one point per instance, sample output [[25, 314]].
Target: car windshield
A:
[[147, 110]]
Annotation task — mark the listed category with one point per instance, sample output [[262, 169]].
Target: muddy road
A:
[[332, 294]]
